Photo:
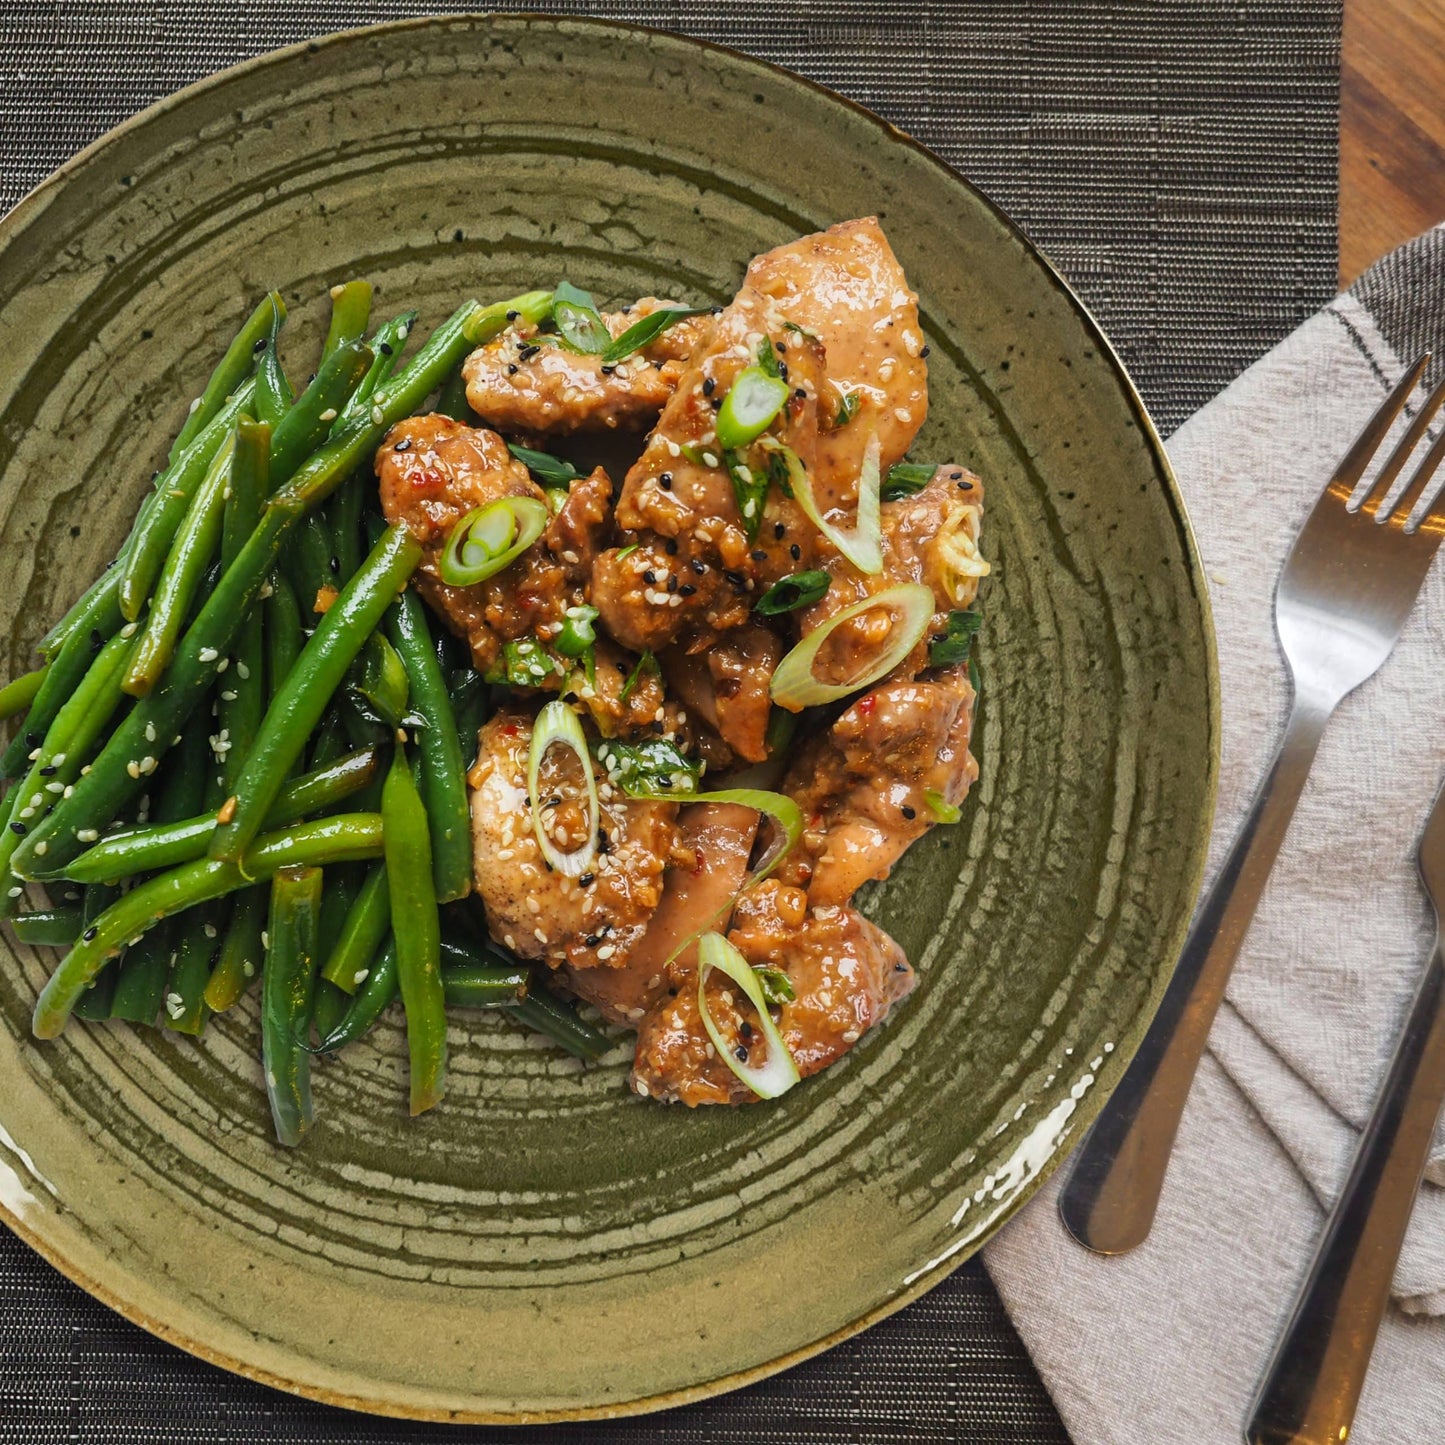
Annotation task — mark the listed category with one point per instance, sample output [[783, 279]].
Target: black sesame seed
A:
[[670, 546], [908, 812], [699, 567], [18, 829], [404, 445], [603, 846], [783, 370], [90, 933], [745, 1029], [511, 368], [795, 552], [800, 393], [759, 555], [336, 566], [686, 590], [709, 386], [736, 578], [608, 370], [741, 1054], [671, 583], [965, 486], [586, 880], [385, 348], [925, 351], [259, 347], [526, 353], [34, 739], [513, 315], [592, 940], [779, 530], [96, 640], [649, 576], [49, 772]]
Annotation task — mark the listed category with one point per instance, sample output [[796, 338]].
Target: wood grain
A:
[[1392, 127]]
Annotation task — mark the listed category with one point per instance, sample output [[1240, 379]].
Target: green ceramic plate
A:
[[546, 1244]]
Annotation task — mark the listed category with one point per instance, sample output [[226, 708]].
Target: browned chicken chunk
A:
[[521, 383], [588, 922]]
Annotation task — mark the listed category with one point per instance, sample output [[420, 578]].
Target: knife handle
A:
[[1110, 1198], [1310, 1390]]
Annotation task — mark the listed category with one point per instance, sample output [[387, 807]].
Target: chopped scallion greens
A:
[[641, 333], [578, 633], [525, 663], [753, 402], [647, 769], [646, 666], [574, 313], [777, 986], [787, 594], [906, 478], [549, 470], [953, 643], [942, 810]]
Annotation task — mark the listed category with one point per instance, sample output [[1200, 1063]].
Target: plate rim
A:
[[1093, 1101]]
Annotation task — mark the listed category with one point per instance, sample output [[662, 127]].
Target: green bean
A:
[[58, 760], [49, 927], [234, 367], [144, 849], [362, 933], [307, 562], [155, 527], [286, 994], [417, 930], [330, 840], [298, 707], [145, 967], [399, 397], [308, 422], [152, 726], [283, 634], [444, 783], [452, 399], [370, 1001], [242, 950], [102, 621], [469, 985], [329, 1006], [99, 597], [547, 1015], [274, 395], [195, 543], [539, 1010], [387, 344], [331, 741], [195, 947], [95, 1003], [18, 695], [241, 699], [350, 311]]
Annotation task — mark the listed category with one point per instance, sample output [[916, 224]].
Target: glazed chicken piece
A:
[[727, 687], [709, 863], [432, 472], [846, 974], [589, 922], [845, 286], [521, 384]]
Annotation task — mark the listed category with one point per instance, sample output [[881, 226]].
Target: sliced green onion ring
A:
[[490, 538], [861, 545], [794, 685], [942, 810], [557, 723], [753, 400], [780, 1072]]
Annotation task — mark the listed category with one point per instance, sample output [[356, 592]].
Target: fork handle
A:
[[1309, 1393], [1109, 1200]]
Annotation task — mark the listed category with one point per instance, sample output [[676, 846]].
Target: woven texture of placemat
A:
[[1177, 161]]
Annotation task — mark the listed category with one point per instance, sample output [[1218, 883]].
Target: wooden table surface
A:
[[1392, 127]]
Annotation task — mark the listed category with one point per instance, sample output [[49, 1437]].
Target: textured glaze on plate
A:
[[545, 1243]]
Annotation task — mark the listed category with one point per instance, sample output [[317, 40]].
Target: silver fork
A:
[[1350, 581], [1310, 1390]]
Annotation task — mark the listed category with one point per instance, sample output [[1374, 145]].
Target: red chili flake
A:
[[426, 479], [867, 704], [701, 860]]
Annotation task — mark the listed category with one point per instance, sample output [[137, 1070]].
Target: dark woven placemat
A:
[[1176, 160]]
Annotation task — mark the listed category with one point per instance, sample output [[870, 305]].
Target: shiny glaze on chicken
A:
[[674, 565]]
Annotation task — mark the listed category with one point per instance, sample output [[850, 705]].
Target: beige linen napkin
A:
[[1166, 1344]]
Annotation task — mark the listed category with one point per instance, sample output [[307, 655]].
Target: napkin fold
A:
[[1167, 1344]]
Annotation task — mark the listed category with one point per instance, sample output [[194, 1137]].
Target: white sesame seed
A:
[[378, 417], [68, 791], [903, 414], [509, 941], [207, 654], [41, 848], [265, 938], [194, 407], [539, 935], [128, 630], [209, 930], [242, 671], [54, 787], [709, 460], [329, 414], [248, 968], [673, 449], [147, 764], [133, 768], [228, 697], [607, 950], [34, 754], [641, 1086], [87, 835], [16, 891], [27, 812], [223, 664], [58, 759], [150, 732]]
